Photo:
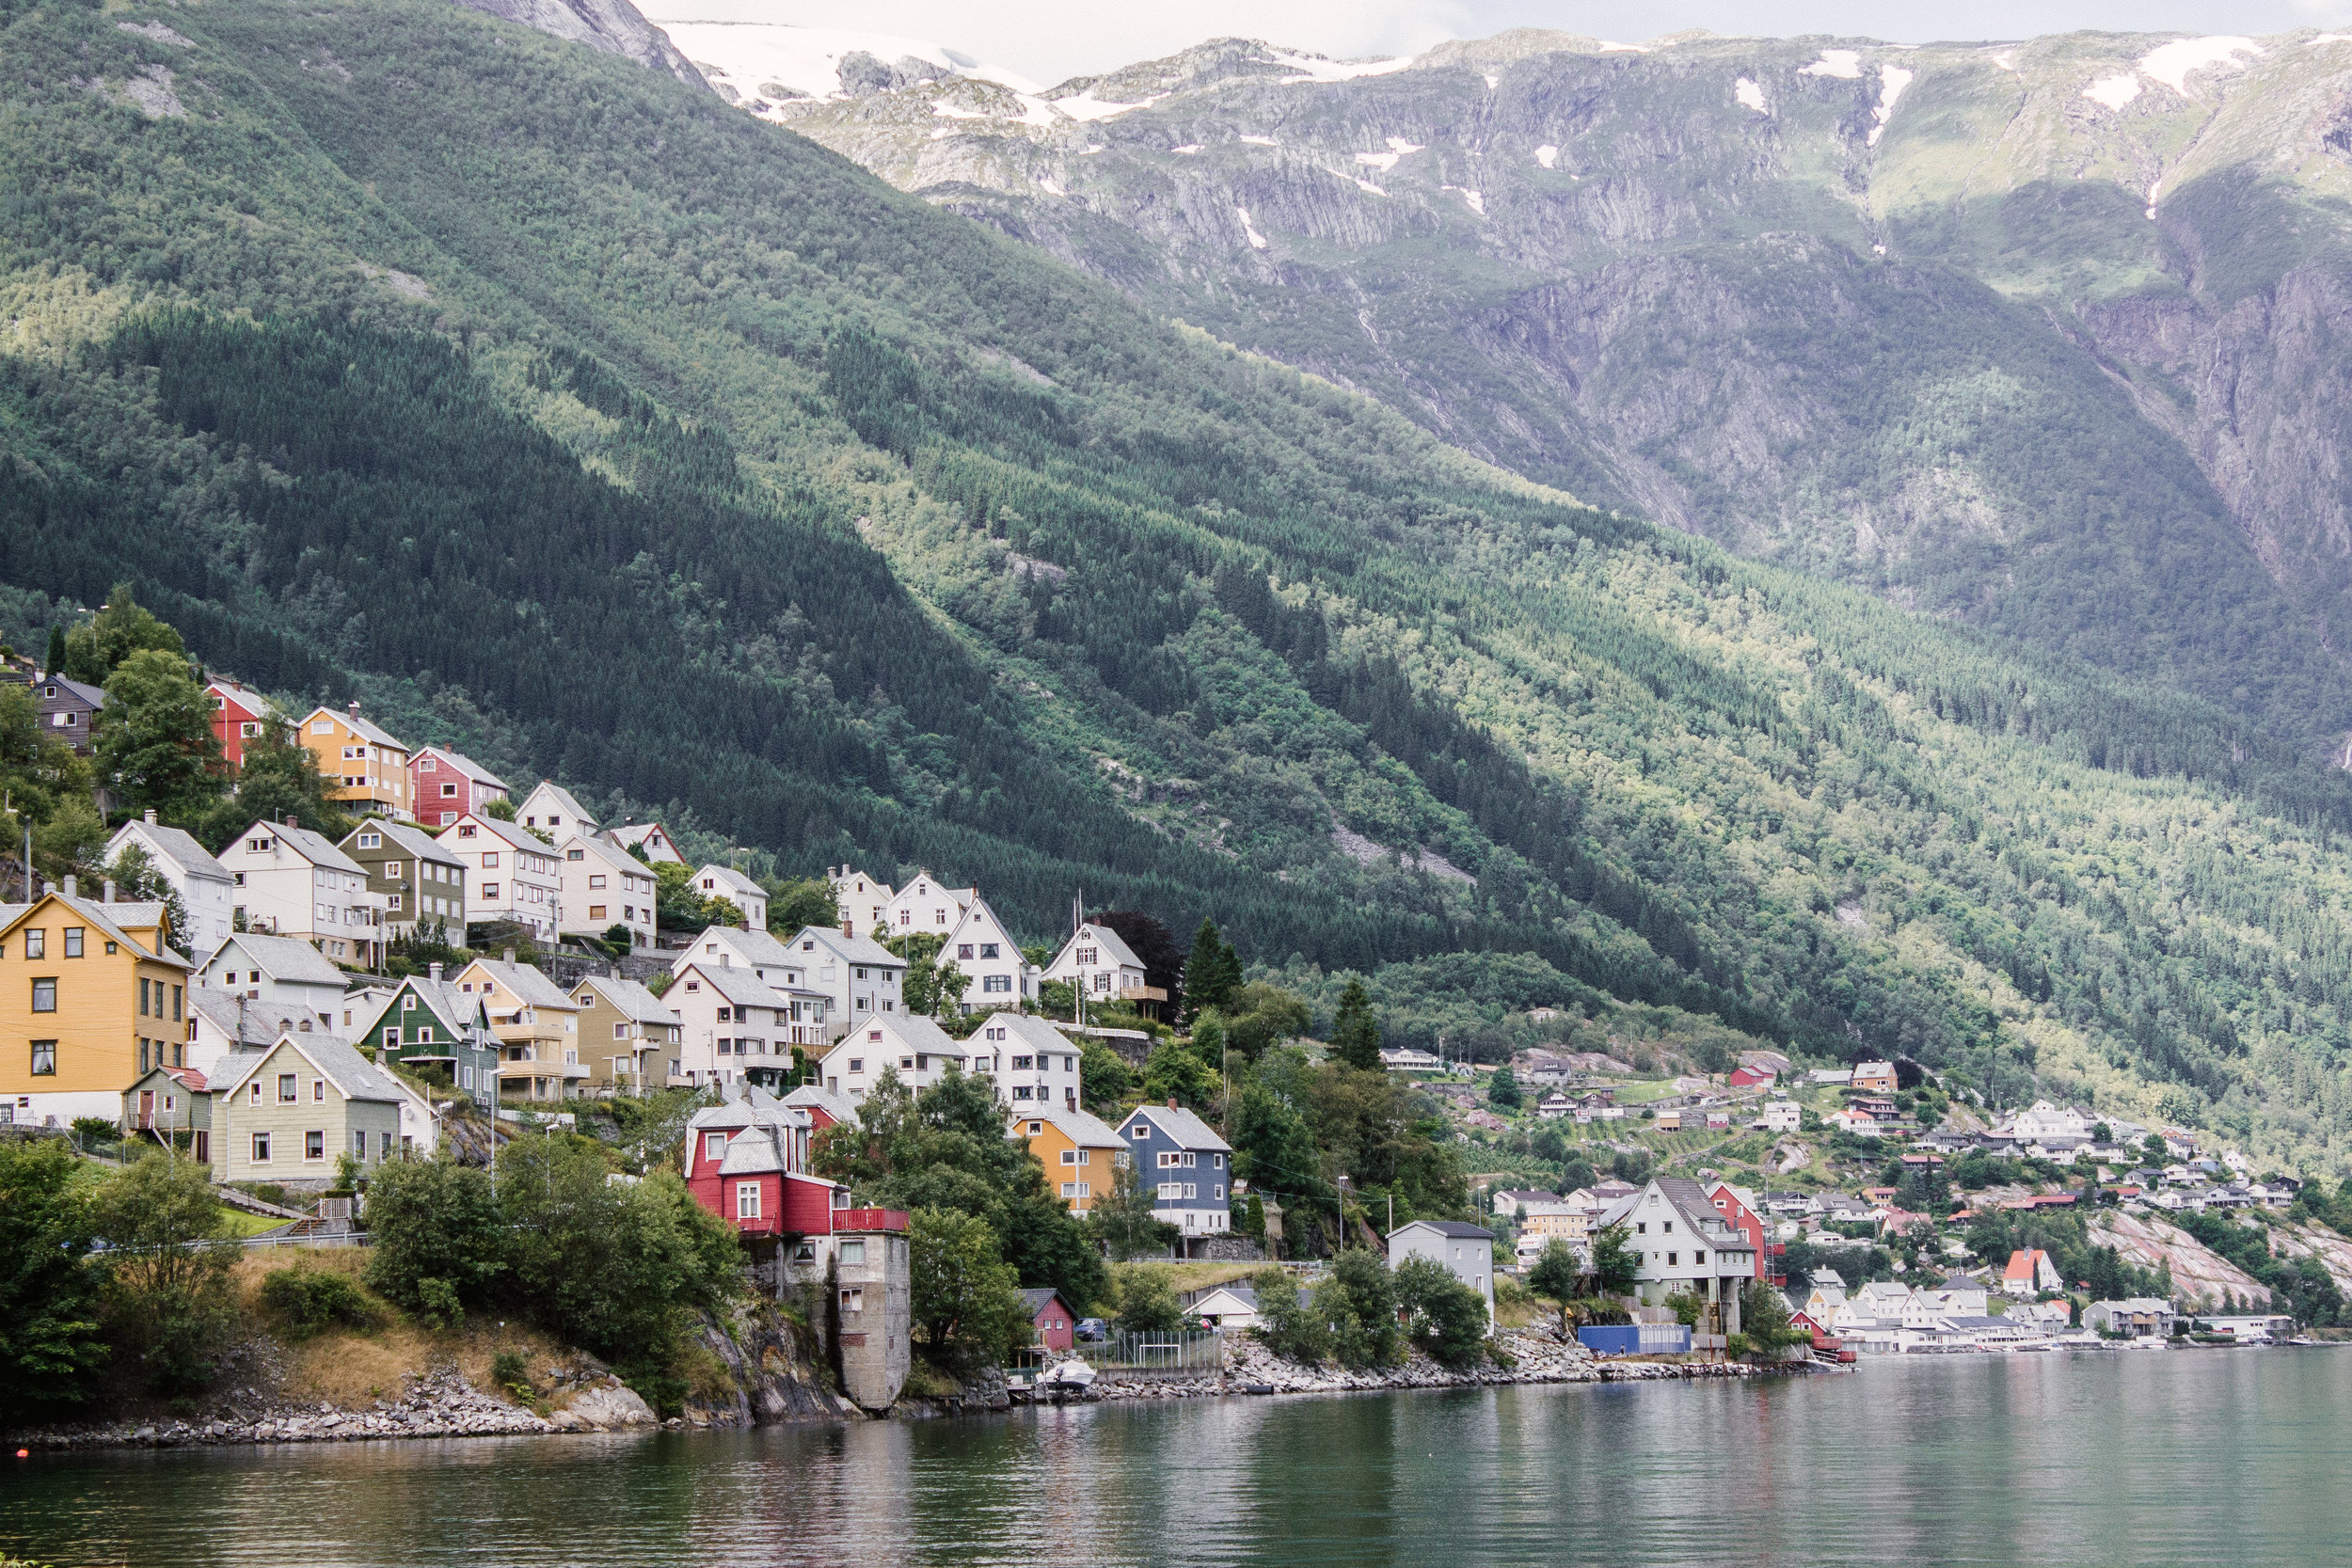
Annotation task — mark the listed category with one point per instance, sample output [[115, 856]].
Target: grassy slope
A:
[[750, 347]]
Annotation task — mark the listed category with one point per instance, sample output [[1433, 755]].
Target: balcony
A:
[[854, 1220]]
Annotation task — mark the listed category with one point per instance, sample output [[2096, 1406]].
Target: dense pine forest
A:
[[562, 415]]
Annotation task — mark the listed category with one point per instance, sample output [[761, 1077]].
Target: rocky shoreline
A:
[[441, 1403]]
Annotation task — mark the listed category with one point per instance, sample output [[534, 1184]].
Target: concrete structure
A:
[[1467, 1251], [206, 891]]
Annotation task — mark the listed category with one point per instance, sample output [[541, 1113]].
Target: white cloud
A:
[[1051, 41]]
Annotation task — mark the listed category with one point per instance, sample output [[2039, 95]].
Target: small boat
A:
[[1072, 1376], [2306, 1341]]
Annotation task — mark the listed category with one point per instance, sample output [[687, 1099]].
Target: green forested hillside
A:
[[565, 416]]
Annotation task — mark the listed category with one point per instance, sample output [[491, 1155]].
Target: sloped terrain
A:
[[2043, 336], [569, 416]]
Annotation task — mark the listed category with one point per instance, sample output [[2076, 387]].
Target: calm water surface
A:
[[2188, 1457]]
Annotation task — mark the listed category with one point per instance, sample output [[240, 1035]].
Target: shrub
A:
[[1448, 1319], [96, 1130], [1370, 1294], [509, 1372], [1290, 1329], [169, 1291], [436, 1220], [49, 1346], [312, 1300]]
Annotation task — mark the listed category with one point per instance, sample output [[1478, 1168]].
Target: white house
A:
[[283, 977], [927, 904], [1685, 1245], [995, 975], [649, 837], [2045, 1120], [864, 901], [293, 882], [859, 977], [510, 874], [813, 1006], [550, 808], [736, 1026], [1097, 963], [602, 887], [220, 1023], [721, 882], [1406, 1059], [207, 890], [1781, 1115], [1228, 1306], [1468, 1252], [1033, 1062], [918, 1049], [1554, 1105]]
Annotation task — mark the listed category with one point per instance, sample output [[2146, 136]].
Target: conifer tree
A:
[[1212, 973], [1355, 1033]]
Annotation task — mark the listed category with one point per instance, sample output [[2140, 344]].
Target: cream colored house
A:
[[283, 1115], [604, 886], [537, 1026]]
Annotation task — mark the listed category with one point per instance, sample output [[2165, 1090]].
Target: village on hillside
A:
[[301, 1015]]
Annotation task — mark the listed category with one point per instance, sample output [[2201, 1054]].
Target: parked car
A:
[[1091, 1328]]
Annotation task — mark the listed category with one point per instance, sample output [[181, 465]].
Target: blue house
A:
[[1188, 1166]]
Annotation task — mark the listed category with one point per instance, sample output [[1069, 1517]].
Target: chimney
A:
[[71, 883], [352, 708], [150, 816], [510, 955], [1171, 1103], [108, 894], [432, 970], [849, 928]]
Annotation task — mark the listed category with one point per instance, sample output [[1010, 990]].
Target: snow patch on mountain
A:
[[1262, 141], [1316, 67], [1845, 64], [1748, 92], [2113, 91], [1546, 155], [2170, 63], [1892, 80], [1257, 241], [1082, 106], [777, 63]]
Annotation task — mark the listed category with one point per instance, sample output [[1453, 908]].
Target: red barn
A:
[[1753, 1078]]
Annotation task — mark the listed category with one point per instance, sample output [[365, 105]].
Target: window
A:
[[996, 1034], [1070, 1189], [995, 983], [322, 726], [249, 730], [714, 1145], [596, 911], [620, 1030], [1022, 1064], [1191, 1159], [1699, 1258], [853, 1253], [595, 881], [1142, 1132], [143, 984], [1673, 1258], [318, 1090], [860, 974], [991, 950], [428, 765], [857, 1064], [1219, 1191], [44, 1058], [1023, 1091], [853, 1299], [963, 950], [464, 830], [391, 868], [448, 792], [36, 945], [1191, 1189], [314, 1144], [257, 1091], [261, 1148], [73, 942], [392, 901], [1170, 1159], [1217, 1160], [1090, 957], [359, 1144], [45, 996], [1086, 1157], [490, 860], [371, 841], [177, 996], [747, 1200], [286, 1095], [1172, 1189], [489, 890]]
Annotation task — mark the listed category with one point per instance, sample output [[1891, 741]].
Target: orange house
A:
[[1078, 1152], [367, 770], [91, 997]]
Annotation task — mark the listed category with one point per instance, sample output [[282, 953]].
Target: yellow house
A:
[[367, 770], [1078, 1152], [1549, 1220], [91, 996], [285, 1114], [537, 1026]]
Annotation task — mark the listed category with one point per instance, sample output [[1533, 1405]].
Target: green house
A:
[[427, 1023]]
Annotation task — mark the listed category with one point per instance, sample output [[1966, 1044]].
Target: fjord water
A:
[[2223, 1456]]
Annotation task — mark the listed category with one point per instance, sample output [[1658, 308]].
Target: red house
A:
[[237, 717], [747, 1161], [1051, 1317], [1728, 1202], [446, 786], [1753, 1078], [825, 1108]]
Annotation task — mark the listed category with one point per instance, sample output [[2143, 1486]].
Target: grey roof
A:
[[838, 1106], [421, 845], [1087, 1132], [562, 799], [1245, 1294], [111, 919], [191, 858], [1188, 1131], [920, 1033], [856, 949], [533, 988], [1961, 1282], [750, 1155], [732, 879], [94, 696], [509, 832], [365, 729], [1453, 1229], [285, 959], [1034, 1032], [465, 765], [315, 848], [1698, 1210], [357, 1077], [252, 1024], [738, 986], [1116, 950], [632, 1000], [1033, 1300]]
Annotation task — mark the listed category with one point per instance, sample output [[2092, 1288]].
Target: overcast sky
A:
[[1054, 40]]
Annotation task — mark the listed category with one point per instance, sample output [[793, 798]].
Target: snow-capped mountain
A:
[[763, 66]]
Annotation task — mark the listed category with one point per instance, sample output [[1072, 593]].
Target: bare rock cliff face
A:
[[614, 27]]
